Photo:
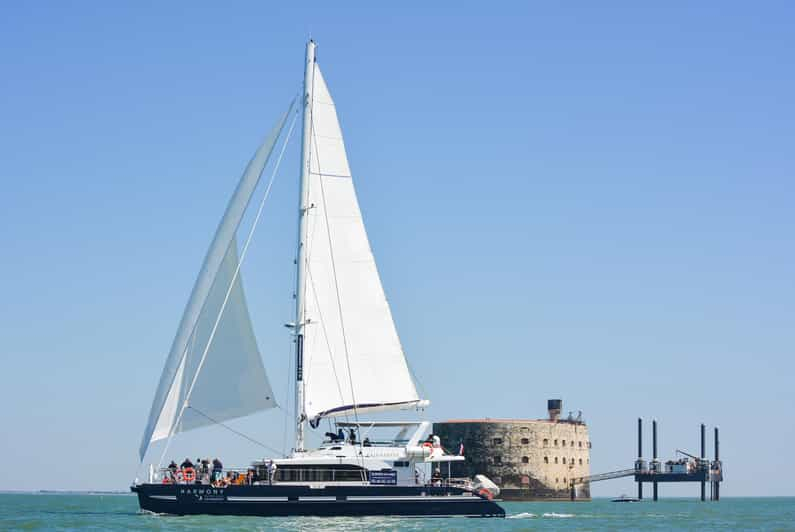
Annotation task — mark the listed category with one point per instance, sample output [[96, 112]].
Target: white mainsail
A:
[[352, 357], [214, 371]]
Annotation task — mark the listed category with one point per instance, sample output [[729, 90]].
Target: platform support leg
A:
[[654, 491], [640, 490]]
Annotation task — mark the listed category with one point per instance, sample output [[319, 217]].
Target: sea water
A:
[[23, 511]]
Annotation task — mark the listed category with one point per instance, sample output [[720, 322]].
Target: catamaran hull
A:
[[284, 501]]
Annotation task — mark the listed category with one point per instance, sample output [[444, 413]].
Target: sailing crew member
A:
[[186, 464], [352, 436]]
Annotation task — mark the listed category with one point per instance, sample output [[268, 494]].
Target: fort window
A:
[[556, 480], [564, 459], [564, 443], [579, 444], [589, 445], [546, 442], [556, 461], [497, 441], [580, 461], [556, 443], [564, 480], [525, 460], [546, 459], [525, 441]]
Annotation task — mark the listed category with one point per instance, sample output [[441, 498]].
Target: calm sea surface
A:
[[120, 512]]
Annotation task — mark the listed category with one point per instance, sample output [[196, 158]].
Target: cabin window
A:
[[546, 459], [525, 460], [496, 441], [311, 473], [401, 464], [525, 441]]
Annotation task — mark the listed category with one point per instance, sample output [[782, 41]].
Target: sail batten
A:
[[352, 354]]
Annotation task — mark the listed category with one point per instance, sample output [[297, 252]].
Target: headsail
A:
[[232, 358], [352, 354]]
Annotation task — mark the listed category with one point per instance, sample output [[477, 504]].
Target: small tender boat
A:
[[626, 498]]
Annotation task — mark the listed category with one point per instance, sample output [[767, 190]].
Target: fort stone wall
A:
[[527, 459]]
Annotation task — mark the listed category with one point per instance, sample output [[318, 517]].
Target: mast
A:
[[309, 67]]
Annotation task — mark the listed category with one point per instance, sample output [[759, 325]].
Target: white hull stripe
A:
[[256, 499], [164, 497], [319, 498], [434, 498]]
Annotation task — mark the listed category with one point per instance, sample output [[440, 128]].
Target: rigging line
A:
[[308, 253], [234, 277], [325, 335], [289, 388], [339, 301], [224, 425]]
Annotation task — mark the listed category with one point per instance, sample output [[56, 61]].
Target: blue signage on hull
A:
[[383, 477]]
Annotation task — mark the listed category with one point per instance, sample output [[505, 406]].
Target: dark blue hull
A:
[[284, 501]]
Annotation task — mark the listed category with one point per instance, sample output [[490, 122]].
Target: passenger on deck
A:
[[172, 469], [366, 442], [436, 479], [250, 477], [352, 436], [186, 464], [218, 469], [271, 469], [204, 474], [340, 435]]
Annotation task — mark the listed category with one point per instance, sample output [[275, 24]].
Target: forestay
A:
[[222, 372], [353, 359]]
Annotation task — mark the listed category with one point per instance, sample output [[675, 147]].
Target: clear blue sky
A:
[[592, 202]]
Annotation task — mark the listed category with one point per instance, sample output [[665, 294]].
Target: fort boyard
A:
[[529, 459]]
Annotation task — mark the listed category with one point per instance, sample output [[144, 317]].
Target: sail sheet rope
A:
[[242, 258], [227, 427]]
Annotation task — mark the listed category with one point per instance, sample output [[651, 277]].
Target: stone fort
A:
[[529, 459]]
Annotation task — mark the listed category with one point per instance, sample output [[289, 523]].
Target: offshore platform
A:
[[688, 468]]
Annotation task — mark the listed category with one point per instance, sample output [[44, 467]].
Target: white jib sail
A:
[[352, 354], [232, 381]]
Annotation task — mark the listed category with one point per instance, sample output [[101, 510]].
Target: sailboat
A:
[[349, 362]]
